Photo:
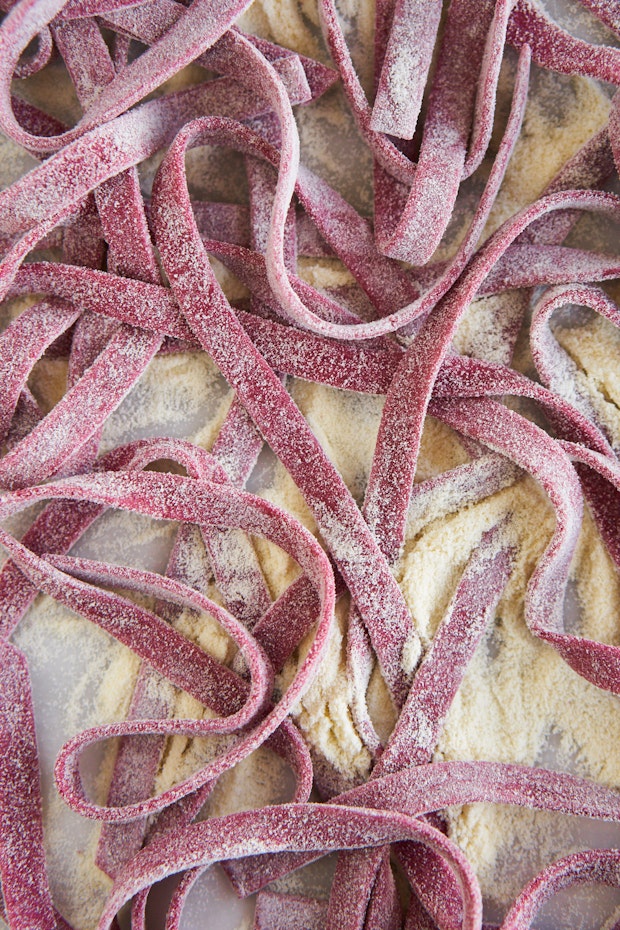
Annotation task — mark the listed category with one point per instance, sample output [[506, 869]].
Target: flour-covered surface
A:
[[309, 483]]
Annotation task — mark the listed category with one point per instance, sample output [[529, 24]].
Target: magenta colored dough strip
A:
[[405, 67], [286, 741], [422, 789], [135, 767], [276, 911], [487, 87], [130, 251], [554, 48], [434, 885], [195, 31], [434, 686], [465, 377], [395, 459], [27, 898], [446, 133], [220, 700], [606, 10], [384, 908], [82, 410], [383, 149], [514, 436], [293, 827], [27, 415], [21, 345], [614, 129], [218, 507], [337, 514], [590, 167], [504, 430], [437, 680], [525, 265], [360, 666], [461, 376], [415, 790], [596, 866], [35, 62], [555, 367], [166, 650], [64, 179], [137, 760], [148, 23], [410, 311]]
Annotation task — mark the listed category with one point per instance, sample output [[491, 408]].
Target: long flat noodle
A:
[[589, 167], [26, 416], [437, 893], [130, 252], [221, 698], [613, 128], [137, 760], [305, 79], [422, 789], [384, 150], [130, 249], [205, 504], [25, 888], [319, 77], [287, 742], [346, 910], [135, 767], [149, 306], [436, 682], [61, 525], [167, 651], [82, 410], [360, 666], [149, 24], [296, 827], [348, 234], [601, 486], [405, 67], [384, 907], [288, 912], [177, 902], [409, 312], [22, 343], [464, 376], [448, 492], [32, 64], [592, 866], [338, 517], [63, 180], [232, 556], [606, 10], [555, 367], [532, 449], [251, 269], [447, 128], [526, 265], [391, 478], [487, 87], [467, 377], [434, 686], [229, 222], [185, 40], [554, 48]]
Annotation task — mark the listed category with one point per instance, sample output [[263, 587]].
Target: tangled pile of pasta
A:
[[134, 279]]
